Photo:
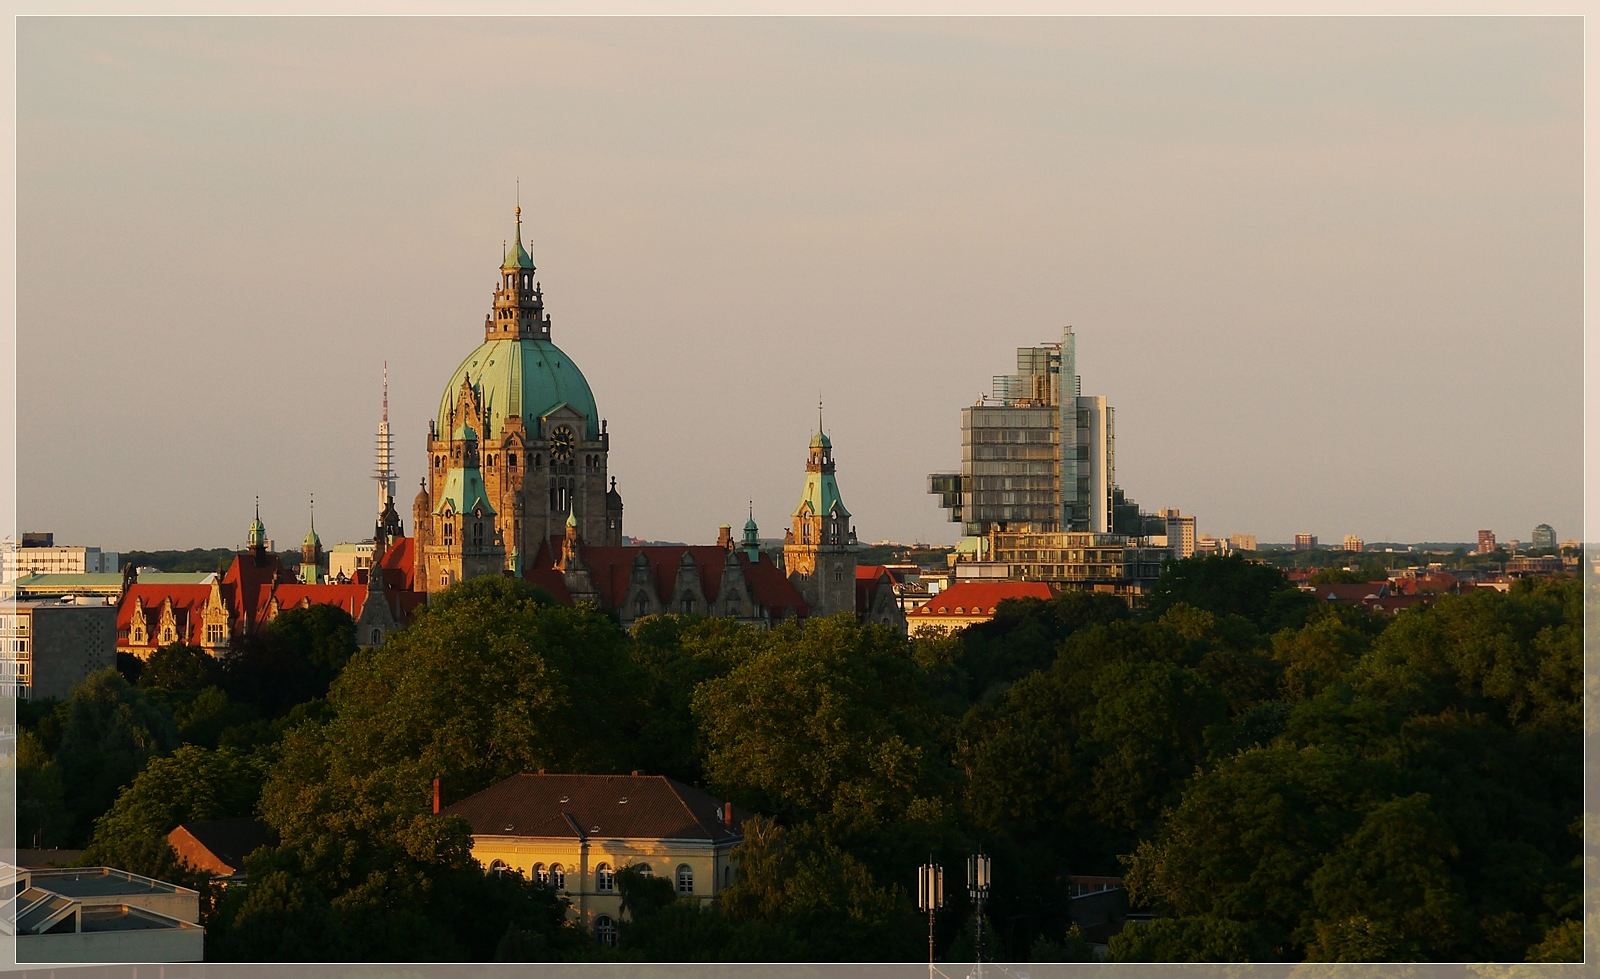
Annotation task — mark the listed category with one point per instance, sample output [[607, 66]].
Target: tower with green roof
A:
[[459, 535], [819, 549], [311, 551], [541, 443]]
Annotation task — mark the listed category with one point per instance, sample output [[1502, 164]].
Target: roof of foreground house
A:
[[584, 806]]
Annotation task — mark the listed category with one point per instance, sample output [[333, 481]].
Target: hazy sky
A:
[[1328, 272]]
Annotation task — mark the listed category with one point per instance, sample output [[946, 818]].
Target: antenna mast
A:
[[385, 474]]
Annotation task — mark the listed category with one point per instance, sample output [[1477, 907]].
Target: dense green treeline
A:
[[1275, 778]]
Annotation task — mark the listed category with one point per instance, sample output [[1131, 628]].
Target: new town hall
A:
[[517, 484]]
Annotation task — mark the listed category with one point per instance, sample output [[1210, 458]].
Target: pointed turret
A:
[[751, 545], [518, 302], [311, 551], [256, 539]]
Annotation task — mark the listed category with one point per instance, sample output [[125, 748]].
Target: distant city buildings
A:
[[1353, 543], [1243, 542], [1486, 544], [1305, 542], [1544, 537], [37, 553]]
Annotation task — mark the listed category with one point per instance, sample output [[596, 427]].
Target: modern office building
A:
[[52, 646], [1353, 543], [1305, 542], [1037, 455], [1544, 537], [1243, 542], [1486, 543]]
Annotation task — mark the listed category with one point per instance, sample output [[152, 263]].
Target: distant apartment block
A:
[[1180, 533], [37, 554], [1243, 542], [1305, 542], [1544, 537], [1353, 543], [50, 647], [1486, 542]]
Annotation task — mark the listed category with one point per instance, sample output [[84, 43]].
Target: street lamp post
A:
[[978, 890], [930, 898]]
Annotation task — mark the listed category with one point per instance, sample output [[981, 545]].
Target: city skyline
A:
[[1291, 292]]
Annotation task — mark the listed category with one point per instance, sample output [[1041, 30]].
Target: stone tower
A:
[[460, 538], [819, 549], [541, 445]]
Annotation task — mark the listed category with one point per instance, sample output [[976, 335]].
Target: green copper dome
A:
[[525, 377]]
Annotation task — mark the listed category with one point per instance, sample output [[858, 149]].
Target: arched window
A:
[[499, 867], [605, 930], [511, 460], [449, 532], [605, 881], [377, 636], [688, 603], [477, 534], [558, 877], [805, 532], [642, 606], [539, 875], [838, 574], [685, 879]]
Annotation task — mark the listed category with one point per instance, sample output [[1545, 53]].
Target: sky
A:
[[1327, 271]]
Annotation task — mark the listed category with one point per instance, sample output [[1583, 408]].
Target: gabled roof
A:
[[463, 490], [220, 845], [187, 601], [978, 597], [821, 492], [648, 807], [611, 570], [399, 565]]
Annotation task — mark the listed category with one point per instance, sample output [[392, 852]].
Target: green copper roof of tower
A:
[[258, 532], [821, 441], [463, 490], [516, 258], [525, 377], [312, 540], [822, 492]]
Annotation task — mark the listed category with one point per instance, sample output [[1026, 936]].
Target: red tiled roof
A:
[[869, 572], [551, 581], [980, 597], [220, 846], [348, 597], [399, 565], [610, 806]]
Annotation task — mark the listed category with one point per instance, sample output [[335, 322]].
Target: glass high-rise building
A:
[[1037, 456]]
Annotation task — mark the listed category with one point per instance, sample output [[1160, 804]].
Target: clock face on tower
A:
[[561, 444]]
